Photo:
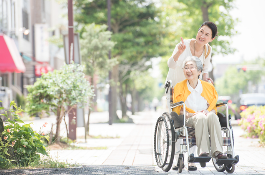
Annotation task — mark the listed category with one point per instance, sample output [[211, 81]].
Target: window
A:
[[4, 15], [13, 17], [1, 15], [43, 10], [25, 18]]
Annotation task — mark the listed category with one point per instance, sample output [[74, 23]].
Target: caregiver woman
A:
[[198, 47]]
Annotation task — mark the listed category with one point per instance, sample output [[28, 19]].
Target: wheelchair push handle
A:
[[167, 85]]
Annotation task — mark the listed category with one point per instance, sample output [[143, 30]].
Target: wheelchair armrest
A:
[[177, 104], [221, 104]]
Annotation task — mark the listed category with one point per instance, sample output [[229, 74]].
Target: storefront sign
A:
[[41, 35], [42, 69]]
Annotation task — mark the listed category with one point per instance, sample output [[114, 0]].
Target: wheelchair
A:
[[169, 129]]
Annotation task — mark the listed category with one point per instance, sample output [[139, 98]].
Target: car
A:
[[226, 99], [251, 99]]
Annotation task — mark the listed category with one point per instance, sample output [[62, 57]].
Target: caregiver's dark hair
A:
[[212, 26]]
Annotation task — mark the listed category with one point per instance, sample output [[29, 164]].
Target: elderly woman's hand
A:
[[205, 112]]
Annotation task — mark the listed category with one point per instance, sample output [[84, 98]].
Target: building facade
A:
[[30, 24]]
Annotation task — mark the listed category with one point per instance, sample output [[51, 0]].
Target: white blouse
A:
[[195, 101], [175, 73]]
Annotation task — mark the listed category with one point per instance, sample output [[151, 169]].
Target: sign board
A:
[[41, 36], [76, 115], [42, 69], [77, 55]]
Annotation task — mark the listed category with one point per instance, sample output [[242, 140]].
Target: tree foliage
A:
[[57, 90], [137, 32], [235, 80], [95, 46]]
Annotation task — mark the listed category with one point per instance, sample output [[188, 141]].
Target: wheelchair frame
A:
[[165, 158]]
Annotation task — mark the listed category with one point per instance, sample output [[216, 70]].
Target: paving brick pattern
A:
[[132, 153], [93, 169]]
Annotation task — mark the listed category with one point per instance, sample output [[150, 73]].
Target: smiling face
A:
[[190, 71], [204, 35]]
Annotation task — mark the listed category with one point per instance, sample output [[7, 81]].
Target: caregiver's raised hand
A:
[[181, 46]]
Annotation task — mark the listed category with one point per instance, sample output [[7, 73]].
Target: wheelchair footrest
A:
[[226, 161], [199, 159]]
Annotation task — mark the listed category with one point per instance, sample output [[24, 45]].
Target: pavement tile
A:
[[133, 149]]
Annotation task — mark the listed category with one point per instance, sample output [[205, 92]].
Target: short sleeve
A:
[[207, 67], [171, 62]]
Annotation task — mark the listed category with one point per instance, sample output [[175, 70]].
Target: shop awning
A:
[[10, 59]]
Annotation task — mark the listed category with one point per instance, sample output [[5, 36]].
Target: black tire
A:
[[230, 168], [219, 168], [203, 164], [171, 148], [161, 142], [181, 163]]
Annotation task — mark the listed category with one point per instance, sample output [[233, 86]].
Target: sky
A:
[[250, 42]]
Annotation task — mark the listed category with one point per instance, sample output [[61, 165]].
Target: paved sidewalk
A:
[[133, 147], [136, 149], [132, 152]]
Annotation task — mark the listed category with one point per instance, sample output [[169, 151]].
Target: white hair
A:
[[194, 59]]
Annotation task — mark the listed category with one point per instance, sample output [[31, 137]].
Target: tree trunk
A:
[[138, 102], [122, 101], [133, 100], [87, 124], [205, 14], [89, 110], [114, 93], [94, 84], [205, 17], [58, 125]]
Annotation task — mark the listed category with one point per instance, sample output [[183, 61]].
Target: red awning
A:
[[10, 60]]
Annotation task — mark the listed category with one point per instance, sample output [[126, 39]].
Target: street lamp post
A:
[[72, 114]]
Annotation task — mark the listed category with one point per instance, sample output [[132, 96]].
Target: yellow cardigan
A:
[[181, 93]]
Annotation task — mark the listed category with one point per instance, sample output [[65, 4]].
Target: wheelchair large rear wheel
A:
[[161, 142], [171, 146], [164, 145]]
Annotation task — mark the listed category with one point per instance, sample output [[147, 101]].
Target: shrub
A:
[[59, 91], [21, 101], [253, 122], [19, 144]]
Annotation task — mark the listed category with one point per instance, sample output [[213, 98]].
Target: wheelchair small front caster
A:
[[203, 164], [181, 163], [230, 168]]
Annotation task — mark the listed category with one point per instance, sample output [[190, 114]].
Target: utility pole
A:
[[72, 114], [110, 92]]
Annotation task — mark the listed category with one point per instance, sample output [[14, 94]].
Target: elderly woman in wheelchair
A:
[[193, 107]]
